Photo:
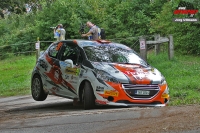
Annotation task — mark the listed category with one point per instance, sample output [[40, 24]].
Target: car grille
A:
[[148, 91]]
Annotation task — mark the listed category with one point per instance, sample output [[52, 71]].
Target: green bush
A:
[[123, 21], [186, 34]]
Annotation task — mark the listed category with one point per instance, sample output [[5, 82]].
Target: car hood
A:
[[130, 73]]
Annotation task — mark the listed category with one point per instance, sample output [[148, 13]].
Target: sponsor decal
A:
[[66, 76], [122, 65], [55, 89], [81, 73], [43, 64], [73, 82], [56, 75], [111, 93], [59, 46], [126, 67], [63, 64], [74, 71], [100, 101], [74, 77], [99, 88], [137, 75]]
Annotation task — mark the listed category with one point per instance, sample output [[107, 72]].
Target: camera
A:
[[52, 27]]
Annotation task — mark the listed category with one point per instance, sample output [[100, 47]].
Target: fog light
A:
[[165, 95], [110, 98], [166, 100]]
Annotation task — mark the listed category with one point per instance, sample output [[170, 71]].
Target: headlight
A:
[[163, 81], [165, 94], [106, 76]]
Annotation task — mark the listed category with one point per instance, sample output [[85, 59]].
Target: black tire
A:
[[88, 97], [37, 91]]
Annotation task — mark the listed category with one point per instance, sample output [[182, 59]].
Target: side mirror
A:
[[69, 63]]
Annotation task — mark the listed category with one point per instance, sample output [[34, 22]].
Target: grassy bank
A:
[[182, 74], [15, 76]]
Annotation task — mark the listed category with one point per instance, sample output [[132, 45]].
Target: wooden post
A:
[[143, 48], [157, 46], [37, 47], [171, 47]]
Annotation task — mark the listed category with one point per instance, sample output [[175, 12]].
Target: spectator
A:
[[59, 32], [93, 32]]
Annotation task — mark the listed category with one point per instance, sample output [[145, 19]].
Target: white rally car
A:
[[97, 73]]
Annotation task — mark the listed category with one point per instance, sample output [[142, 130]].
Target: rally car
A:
[[97, 73]]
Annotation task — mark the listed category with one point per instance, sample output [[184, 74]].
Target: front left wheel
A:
[[88, 97], [37, 91]]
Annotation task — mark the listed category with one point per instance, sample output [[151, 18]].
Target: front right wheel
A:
[[88, 97]]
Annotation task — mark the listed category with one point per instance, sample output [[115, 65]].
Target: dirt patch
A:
[[169, 119]]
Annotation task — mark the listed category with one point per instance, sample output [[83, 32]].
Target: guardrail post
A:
[[171, 47], [157, 46], [143, 48]]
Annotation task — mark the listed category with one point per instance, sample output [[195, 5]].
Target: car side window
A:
[[71, 51], [54, 49], [80, 58]]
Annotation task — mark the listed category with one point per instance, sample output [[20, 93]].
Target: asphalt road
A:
[[58, 115]]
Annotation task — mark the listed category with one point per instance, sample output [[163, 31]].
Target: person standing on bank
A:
[[59, 32], [92, 33]]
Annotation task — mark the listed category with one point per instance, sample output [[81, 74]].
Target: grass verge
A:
[[182, 75], [15, 76]]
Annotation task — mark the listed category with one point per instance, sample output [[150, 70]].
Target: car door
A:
[[56, 83], [53, 81], [70, 73]]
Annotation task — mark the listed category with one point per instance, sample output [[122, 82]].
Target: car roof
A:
[[85, 43]]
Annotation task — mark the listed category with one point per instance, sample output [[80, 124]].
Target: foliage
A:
[[123, 20], [186, 34], [181, 74], [129, 19]]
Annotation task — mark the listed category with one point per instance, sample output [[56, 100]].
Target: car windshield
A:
[[112, 53]]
